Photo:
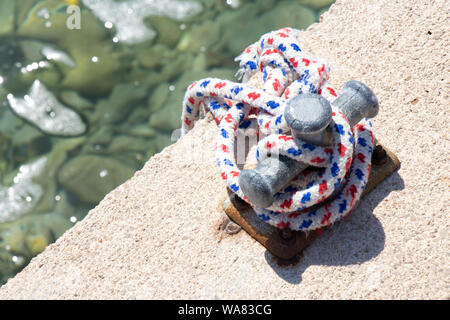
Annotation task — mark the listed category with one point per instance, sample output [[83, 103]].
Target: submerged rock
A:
[[158, 97], [46, 20], [42, 109], [168, 30], [28, 142], [154, 56], [27, 136], [99, 68], [202, 35], [22, 62], [141, 130], [88, 59], [11, 59], [125, 143], [289, 14], [321, 12], [128, 16], [3, 91], [73, 99], [6, 17], [285, 14], [232, 25], [5, 151], [54, 54], [131, 86], [122, 100], [165, 119], [47, 180], [23, 195], [98, 140], [10, 264], [91, 177], [32, 187], [161, 141]]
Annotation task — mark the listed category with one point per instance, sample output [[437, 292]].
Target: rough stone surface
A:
[[158, 235]]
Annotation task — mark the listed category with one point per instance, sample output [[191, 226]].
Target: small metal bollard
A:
[[232, 228], [309, 115]]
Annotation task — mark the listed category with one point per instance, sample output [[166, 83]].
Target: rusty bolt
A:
[[286, 235], [379, 155], [232, 228]]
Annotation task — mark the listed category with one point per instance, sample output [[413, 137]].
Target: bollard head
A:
[[257, 189], [308, 114], [363, 97]]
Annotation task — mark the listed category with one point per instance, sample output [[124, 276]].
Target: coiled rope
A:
[[287, 72]]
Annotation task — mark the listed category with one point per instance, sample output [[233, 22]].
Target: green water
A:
[[89, 93]]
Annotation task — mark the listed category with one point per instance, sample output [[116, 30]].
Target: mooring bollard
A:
[[309, 116]]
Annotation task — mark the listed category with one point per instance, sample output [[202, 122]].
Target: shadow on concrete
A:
[[356, 239]]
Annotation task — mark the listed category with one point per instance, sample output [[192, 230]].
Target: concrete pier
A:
[[158, 235]]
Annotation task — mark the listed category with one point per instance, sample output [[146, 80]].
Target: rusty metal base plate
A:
[[288, 245]]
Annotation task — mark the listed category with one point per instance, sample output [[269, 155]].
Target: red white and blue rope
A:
[[287, 72]]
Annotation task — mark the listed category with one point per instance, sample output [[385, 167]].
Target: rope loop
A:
[[287, 72]]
